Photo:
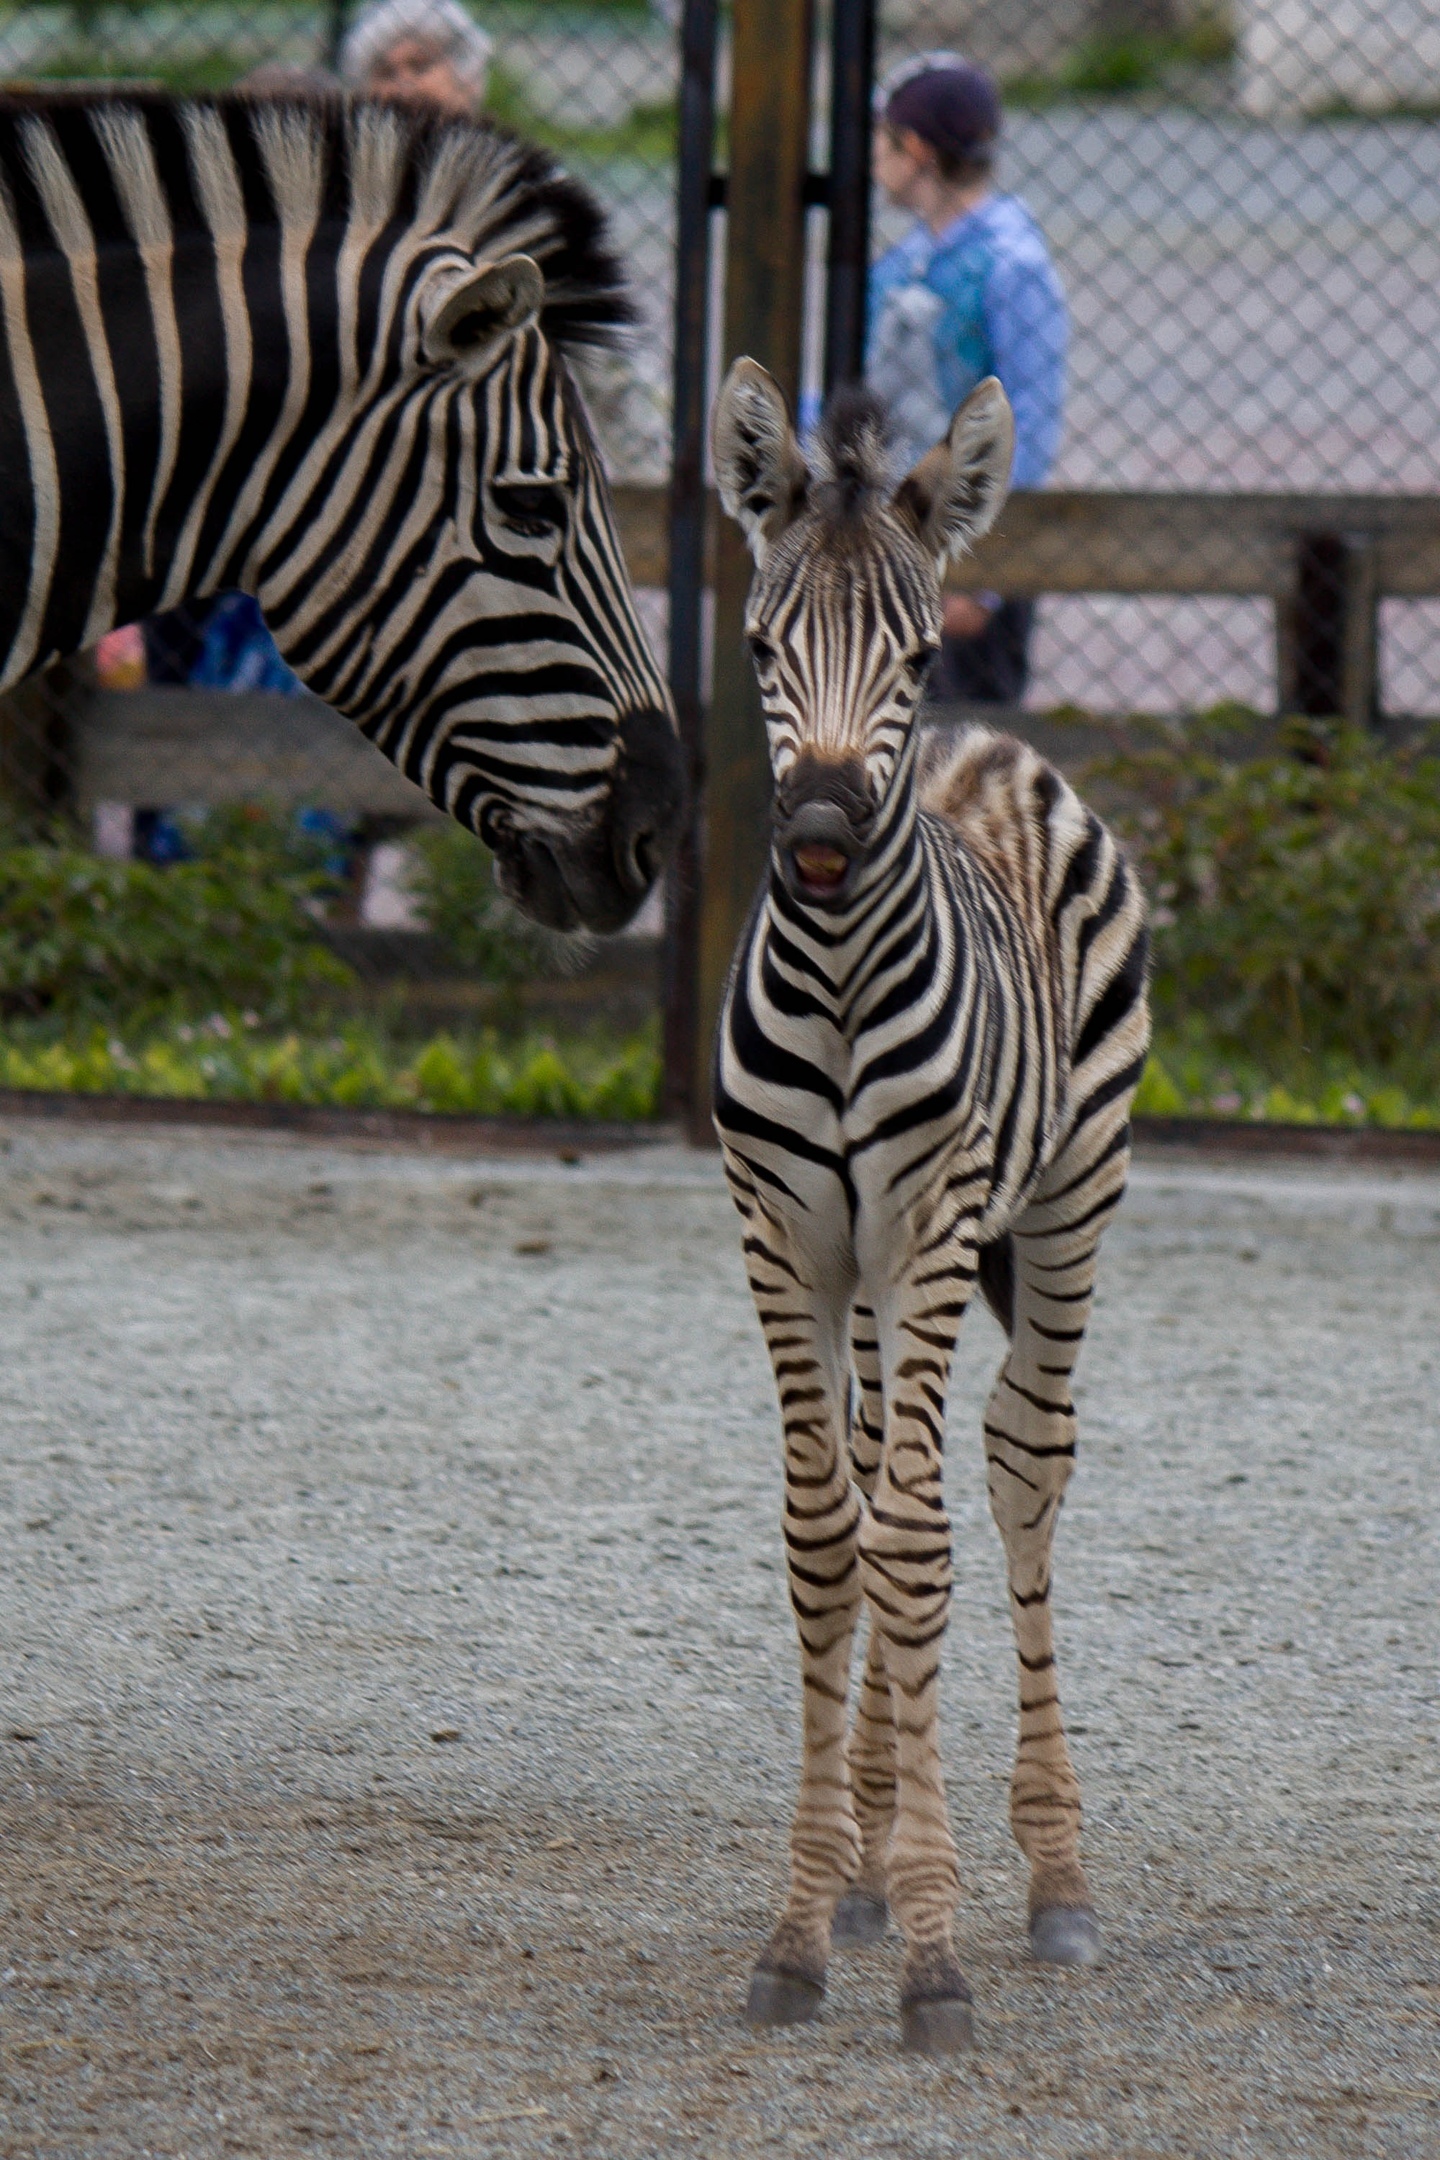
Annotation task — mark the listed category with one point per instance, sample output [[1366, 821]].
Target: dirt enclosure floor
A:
[[399, 1713]]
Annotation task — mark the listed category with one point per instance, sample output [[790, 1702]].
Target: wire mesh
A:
[[1241, 199]]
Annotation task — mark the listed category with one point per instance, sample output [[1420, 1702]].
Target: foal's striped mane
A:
[[472, 181]]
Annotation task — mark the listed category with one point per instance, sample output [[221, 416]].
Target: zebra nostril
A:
[[645, 854], [636, 861]]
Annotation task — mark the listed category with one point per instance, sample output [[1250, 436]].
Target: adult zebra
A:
[[933, 1030], [316, 351]]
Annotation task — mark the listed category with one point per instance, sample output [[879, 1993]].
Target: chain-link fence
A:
[[1242, 201]]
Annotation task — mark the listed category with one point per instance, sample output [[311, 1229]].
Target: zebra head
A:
[[843, 616], [443, 564]]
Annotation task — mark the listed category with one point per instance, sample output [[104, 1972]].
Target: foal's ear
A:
[[495, 298], [758, 463], [955, 493]]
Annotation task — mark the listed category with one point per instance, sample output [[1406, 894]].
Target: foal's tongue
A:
[[823, 867]]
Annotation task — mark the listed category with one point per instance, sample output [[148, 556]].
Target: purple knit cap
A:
[[949, 102]]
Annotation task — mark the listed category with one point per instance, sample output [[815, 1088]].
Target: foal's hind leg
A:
[[863, 1914], [1030, 1452]]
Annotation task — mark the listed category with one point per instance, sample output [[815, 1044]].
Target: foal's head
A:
[[844, 609]]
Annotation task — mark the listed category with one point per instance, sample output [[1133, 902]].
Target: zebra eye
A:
[[761, 651], [917, 664], [537, 511]]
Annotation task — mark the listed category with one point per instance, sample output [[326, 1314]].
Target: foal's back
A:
[[1066, 890]]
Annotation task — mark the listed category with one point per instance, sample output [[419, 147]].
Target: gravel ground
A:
[[399, 1717]]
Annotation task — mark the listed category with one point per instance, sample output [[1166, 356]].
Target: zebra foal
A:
[[933, 1029]]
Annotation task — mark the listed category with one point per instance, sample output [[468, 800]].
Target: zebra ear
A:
[[957, 490], [496, 297], [759, 468]]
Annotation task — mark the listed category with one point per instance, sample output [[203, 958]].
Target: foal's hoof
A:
[[780, 1998], [860, 1919], [1065, 1935], [941, 2026]]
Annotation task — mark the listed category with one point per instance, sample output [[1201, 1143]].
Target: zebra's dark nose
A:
[[824, 821], [598, 879]]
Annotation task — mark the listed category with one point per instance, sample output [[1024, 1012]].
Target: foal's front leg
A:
[[906, 1572], [863, 1914], [804, 1324]]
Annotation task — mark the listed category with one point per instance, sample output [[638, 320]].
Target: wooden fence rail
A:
[[1324, 560], [1055, 540]]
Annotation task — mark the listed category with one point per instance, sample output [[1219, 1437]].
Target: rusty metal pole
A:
[[764, 309], [852, 80], [684, 1063]]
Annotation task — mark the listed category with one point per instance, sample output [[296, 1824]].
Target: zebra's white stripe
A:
[[293, 166], [374, 146], [131, 157], [39, 448], [71, 226], [217, 184]]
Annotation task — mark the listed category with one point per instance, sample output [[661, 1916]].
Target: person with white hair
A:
[[419, 52], [430, 52]]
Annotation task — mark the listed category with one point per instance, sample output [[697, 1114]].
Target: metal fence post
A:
[[679, 955], [1328, 630], [764, 306], [852, 77]]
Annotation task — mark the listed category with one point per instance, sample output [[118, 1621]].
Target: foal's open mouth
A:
[[820, 871]]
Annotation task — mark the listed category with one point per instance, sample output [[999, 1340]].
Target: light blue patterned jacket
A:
[[982, 299]]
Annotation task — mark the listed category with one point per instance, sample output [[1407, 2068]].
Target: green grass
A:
[[648, 136], [202, 74], [1424, 110], [1128, 65], [356, 1065]]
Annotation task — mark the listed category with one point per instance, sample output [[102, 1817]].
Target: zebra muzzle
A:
[[597, 878], [818, 848]]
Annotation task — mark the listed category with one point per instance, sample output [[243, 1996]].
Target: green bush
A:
[[229, 1056], [234, 927], [454, 884], [1296, 900], [1188, 1076]]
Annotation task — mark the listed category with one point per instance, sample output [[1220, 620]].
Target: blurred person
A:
[[970, 291], [419, 52]]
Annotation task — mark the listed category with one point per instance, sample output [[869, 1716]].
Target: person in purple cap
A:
[[970, 291]]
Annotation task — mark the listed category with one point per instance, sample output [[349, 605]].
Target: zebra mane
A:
[[492, 192], [849, 459]]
